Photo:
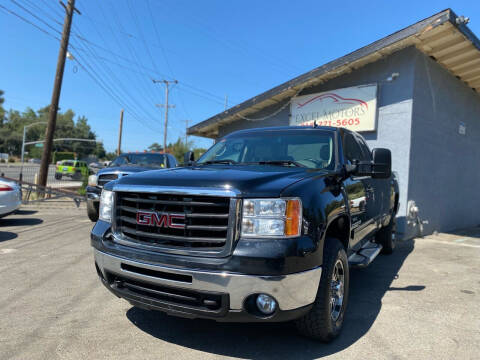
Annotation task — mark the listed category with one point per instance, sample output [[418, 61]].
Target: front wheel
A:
[[92, 211], [324, 321]]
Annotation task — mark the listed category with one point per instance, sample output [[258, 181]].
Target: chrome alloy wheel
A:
[[337, 286]]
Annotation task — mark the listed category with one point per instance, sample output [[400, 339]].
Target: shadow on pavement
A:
[[20, 221], [7, 235], [26, 212], [255, 341]]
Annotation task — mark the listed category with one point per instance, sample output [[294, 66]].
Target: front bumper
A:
[[168, 289], [93, 193]]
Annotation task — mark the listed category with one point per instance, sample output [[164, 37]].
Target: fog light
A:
[[266, 304]]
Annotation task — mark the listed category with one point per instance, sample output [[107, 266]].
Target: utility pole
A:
[[167, 84], [226, 102], [120, 133], [52, 114], [186, 132]]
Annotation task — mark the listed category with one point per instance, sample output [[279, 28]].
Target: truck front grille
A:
[[105, 178], [205, 227]]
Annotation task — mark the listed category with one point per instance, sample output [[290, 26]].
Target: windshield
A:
[[313, 149], [145, 159]]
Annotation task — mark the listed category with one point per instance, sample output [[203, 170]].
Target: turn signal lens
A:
[[293, 216]]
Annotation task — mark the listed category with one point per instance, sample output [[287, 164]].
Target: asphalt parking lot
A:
[[423, 302]]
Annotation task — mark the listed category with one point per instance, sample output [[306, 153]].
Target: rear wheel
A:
[[92, 211], [386, 236], [324, 321]]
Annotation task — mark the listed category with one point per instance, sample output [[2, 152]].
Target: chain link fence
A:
[[30, 174]]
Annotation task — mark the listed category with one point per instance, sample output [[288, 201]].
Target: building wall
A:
[[444, 172], [393, 119]]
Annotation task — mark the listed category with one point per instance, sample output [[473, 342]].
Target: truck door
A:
[[360, 193], [381, 187]]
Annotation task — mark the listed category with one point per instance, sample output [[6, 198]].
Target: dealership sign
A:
[[354, 108]]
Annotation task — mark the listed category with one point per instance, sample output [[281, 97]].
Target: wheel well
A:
[[340, 229]]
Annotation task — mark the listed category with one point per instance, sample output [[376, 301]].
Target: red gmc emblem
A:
[[165, 220]]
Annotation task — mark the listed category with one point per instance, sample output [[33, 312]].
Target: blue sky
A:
[[212, 47]]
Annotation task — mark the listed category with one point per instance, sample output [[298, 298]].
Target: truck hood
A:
[[125, 169], [248, 181]]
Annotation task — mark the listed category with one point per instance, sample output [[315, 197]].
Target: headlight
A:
[[92, 180], [271, 217], [106, 206]]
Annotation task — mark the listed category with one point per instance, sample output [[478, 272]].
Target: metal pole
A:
[[167, 83], [166, 119], [226, 102], [23, 153], [120, 133], [52, 115]]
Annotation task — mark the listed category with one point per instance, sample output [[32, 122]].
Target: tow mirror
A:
[[382, 163], [189, 158]]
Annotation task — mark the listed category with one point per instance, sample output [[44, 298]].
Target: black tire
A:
[[320, 323], [386, 237], [92, 211], [58, 176]]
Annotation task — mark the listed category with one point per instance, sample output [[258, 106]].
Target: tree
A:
[[13, 122], [155, 147], [178, 149]]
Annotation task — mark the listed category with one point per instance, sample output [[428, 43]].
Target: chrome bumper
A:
[[291, 291]]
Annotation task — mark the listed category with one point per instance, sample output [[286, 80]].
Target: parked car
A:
[[123, 165], [264, 227], [95, 166], [74, 169], [10, 197]]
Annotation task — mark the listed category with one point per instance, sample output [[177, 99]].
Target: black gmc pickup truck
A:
[[263, 227]]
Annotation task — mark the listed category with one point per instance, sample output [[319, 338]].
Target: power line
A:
[[148, 91], [29, 22], [212, 33], [46, 13], [129, 108], [52, 8], [35, 16], [92, 76], [131, 49], [112, 74]]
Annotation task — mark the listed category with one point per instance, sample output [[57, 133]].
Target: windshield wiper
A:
[[280, 162], [218, 162]]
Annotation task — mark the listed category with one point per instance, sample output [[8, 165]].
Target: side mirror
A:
[[382, 163], [188, 158]]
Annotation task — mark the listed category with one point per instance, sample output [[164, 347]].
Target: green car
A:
[[75, 169]]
